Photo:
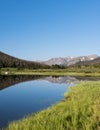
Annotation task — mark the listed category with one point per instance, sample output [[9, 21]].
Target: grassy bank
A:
[[80, 110], [48, 72]]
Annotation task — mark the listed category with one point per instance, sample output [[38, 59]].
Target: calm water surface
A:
[[23, 98], [23, 95]]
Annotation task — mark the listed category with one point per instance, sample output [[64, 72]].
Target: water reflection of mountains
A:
[[7, 81], [69, 79]]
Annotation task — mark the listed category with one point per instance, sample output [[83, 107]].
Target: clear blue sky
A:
[[42, 29]]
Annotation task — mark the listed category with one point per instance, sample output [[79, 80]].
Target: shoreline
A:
[[76, 110]]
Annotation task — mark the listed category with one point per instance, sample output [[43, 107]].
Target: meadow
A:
[[84, 71]]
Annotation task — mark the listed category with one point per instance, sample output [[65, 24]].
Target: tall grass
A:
[[80, 110]]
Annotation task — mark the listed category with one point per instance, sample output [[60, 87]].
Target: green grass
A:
[[48, 72], [80, 110]]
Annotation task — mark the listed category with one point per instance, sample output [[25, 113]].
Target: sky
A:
[[43, 29]]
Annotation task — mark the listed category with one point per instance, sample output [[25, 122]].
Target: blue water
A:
[[25, 98]]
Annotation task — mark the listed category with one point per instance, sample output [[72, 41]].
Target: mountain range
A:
[[67, 61], [10, 61]]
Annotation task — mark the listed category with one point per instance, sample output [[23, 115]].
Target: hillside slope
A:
[[10, 61], [95, 62]]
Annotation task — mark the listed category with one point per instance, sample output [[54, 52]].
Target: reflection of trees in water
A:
[[89, 78], [7, 81], [68, 79]]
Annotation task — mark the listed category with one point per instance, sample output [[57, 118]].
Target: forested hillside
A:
[[10, 61]]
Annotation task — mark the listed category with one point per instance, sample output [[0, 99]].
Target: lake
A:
[[23, 95]]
